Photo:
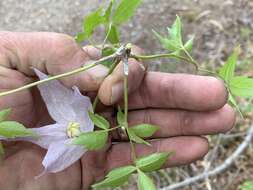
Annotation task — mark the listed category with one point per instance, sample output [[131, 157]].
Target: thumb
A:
[[111, 89]]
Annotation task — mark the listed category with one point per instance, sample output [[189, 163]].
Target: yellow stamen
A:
[[73, 129]]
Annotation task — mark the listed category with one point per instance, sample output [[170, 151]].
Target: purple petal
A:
[[57, 98], [49, 134], [65, 105], [82, 116], [61, 155]]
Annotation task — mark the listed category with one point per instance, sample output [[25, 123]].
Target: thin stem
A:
[[111, 129], [126, 115], [107, 35], [81, 69], [95, 102], [168, 55], [125, 98]]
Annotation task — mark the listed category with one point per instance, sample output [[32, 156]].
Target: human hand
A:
[[184, 106]]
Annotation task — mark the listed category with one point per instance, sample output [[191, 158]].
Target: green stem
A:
[[125, 99], [126, 115], [83, 68], [168, 55], [111, 129]]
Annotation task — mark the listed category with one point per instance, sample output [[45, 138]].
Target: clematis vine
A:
[[69, 109]]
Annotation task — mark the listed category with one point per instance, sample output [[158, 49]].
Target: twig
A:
[[219, 169]]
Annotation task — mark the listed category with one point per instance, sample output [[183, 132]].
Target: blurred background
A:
[[218, 26]]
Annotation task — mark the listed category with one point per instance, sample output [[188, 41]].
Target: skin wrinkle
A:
[[9, 53], [170, 91]]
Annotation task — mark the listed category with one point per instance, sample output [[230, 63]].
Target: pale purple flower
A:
[[69, 109]]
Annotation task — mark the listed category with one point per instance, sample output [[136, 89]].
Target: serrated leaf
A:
[[4, 114], [247, 185], [113, 35], [189, 44], [168, 44], [92, 140], [99, 121], [125, 10], [116, 177], [152, 162], [120, 117], [175, 31], [135, 138], [228, 69], [241, 86], [12, 129], [144, 130], [145, 182]]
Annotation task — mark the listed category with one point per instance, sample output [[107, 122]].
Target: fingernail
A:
[[117, 92]]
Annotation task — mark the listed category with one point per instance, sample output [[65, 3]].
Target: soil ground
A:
[[218, 26]]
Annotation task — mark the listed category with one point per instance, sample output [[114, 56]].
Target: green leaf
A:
[[113, 35], [241, 86], [152, 162], [99, 121], [120, 117], [125, 10], [12, 129], [233, 102], [189, 44], [116, 177], [135, 138], [145, 182], [80, 37], [4, 114], [144, 130], [92, 140], [169, 44], [228, 69], [90, 22], [108, 11], [247, 185], [106, 52], [175, 31]]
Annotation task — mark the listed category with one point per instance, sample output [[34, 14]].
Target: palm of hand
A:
[[184, 112]]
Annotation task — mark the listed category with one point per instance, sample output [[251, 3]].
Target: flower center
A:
[[73, 129]]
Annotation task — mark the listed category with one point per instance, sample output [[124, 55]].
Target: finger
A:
[[93, 52], [163, 90], [111, 89], [120, 154], [51, 53], [18, 171], [179, 122], [22, 109]]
